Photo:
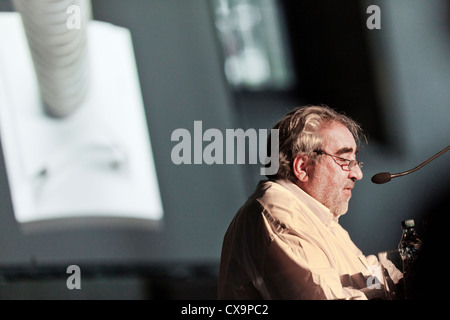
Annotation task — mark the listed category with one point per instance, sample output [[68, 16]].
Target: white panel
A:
[[97, 162]]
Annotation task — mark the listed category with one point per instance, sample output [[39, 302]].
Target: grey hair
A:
[[299, 133]]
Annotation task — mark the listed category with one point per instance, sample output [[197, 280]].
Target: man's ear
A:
[[299, 166]]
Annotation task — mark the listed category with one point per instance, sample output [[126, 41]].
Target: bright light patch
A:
[[97, 162]]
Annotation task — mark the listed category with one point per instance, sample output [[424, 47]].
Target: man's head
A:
[[316, 145]]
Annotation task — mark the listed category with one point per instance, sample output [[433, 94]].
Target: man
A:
[[285, 242]]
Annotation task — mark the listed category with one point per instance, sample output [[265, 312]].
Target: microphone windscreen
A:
[[381, 177]]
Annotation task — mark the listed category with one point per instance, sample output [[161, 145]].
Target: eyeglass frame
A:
[[351, 163]]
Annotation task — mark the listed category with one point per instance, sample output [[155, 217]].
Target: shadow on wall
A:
[[431, 282], [111, 282]]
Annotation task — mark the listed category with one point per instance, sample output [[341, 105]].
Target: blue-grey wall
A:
[[412, 53]]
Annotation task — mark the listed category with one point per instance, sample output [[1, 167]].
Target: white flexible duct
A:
[[59, 50]]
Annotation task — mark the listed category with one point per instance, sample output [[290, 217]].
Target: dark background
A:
[[394, 81]]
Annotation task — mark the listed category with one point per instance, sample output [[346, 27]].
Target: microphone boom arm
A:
[[422, 164], [384, 177]]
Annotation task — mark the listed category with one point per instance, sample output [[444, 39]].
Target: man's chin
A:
[[340, 210]]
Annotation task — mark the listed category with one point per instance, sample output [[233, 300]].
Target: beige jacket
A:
[[284, 244]]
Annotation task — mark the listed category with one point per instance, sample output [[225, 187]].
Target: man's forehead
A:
[[338, 139]]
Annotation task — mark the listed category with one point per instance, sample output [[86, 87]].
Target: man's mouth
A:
[[348, 190]]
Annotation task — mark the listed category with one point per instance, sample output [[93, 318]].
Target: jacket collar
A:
[[322, 212]]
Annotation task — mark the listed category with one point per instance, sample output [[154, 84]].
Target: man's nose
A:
[[356, 173]]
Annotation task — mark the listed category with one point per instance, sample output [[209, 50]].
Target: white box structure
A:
[[95, 163]]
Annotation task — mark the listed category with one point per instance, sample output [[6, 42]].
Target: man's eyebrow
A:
[[346, 150]]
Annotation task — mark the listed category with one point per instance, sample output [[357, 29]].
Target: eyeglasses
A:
[[348, 164]]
